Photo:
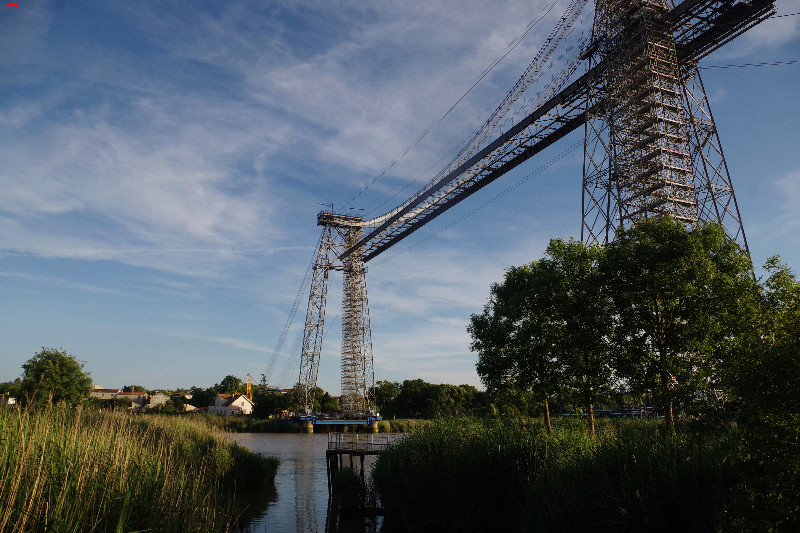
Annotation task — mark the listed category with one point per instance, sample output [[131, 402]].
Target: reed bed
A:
[[503, 475], [67, 470]]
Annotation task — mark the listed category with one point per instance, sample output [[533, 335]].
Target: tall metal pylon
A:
[[651, 145], [339, 232]]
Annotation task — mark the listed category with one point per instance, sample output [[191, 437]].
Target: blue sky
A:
[[162, 164]]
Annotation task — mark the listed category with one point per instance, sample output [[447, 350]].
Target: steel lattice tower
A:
[[651, 146], [339, 232]]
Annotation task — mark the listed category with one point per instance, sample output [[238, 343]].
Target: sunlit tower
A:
[[339, 233], [651, 145]]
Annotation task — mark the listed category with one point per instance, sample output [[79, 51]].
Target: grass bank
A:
[[500, 475], [64, 470]]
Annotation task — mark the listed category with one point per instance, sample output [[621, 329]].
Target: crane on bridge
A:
[[650, 148]]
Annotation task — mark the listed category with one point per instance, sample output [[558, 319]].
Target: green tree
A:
[[515, 337], [229, 385], [57, 374], [453, 400], [273, 403], [415, 397], [177, 404], [580, 320], [202, 397], [678, 294], [763, 378], [386, 393], [133, 388], [327, 403], [11, 388]]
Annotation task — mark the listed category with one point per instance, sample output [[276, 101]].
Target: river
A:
[[301, 500]]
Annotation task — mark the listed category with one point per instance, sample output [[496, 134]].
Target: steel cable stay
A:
[[286, 379], [513, 45], [458, 145], [556, 37], [292, 312], [541, 64]]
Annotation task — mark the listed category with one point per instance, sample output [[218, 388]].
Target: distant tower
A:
[[651, 146], [339, 232]]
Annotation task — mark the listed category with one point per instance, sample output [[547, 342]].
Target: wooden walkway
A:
[[354, 446]]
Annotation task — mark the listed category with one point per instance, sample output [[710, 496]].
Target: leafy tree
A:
[[178, 404], [580, 321], [229, 385], [327, 403], [516, 337], [386, 393], [513, 403], [202, 397], [414, 398], [272, 403], [11, 388], [453, 400], [54, 373], [133, 388], [111, 404], [676, 294], [764, 380]]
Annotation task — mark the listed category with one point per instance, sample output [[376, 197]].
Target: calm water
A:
[[301, 500]]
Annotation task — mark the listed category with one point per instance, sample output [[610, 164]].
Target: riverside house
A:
[[104, 394], [231, 404]]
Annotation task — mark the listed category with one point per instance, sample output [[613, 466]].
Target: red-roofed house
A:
[[231, 404], [104, 394]]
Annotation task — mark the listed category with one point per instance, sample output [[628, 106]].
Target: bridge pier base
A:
[[308, 426]]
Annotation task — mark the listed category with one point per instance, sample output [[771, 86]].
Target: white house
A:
[[157, 399], [231, 404], [7, 400], [104, 394]]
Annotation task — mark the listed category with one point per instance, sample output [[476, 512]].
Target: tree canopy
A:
[[54, 374], [229, 385], [762, 377], [653, 310], [677, 294], [546, 327]]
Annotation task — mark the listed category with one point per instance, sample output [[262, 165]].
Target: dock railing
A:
[[361, 442]]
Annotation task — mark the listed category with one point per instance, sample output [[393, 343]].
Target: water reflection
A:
[[301, 500]]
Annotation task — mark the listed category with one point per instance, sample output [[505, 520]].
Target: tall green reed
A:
[[510, 475], [66, 470]]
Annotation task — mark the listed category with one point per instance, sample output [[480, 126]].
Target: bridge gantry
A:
[[339, 233], [650, 149]]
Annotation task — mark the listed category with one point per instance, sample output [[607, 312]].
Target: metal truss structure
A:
[[651, 148], [339, 232]]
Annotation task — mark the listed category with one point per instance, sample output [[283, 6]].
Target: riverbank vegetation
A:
[[665, 312], [503, 475], [64, 469]]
